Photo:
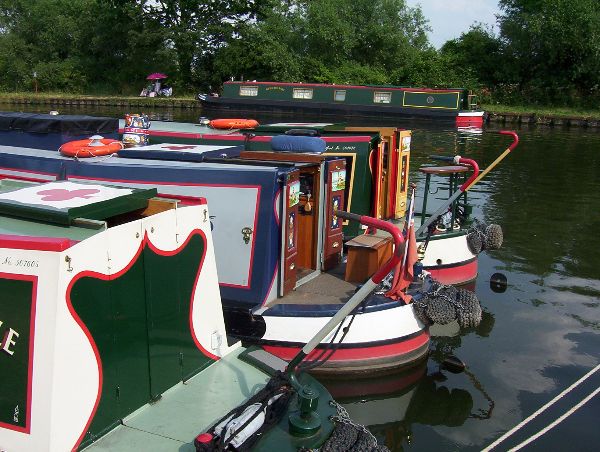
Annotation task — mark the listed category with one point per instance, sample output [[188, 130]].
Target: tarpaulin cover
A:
[[290, 143], [63, 124]]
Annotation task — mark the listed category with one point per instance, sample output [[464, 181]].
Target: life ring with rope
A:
[[95, 146]]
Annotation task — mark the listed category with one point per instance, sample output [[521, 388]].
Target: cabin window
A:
[[382, 97], [248, 90], [303, 93], [339, 95]]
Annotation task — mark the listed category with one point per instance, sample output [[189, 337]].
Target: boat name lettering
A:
[[338, 148], [20, 262], [8, 340], [274, 88]]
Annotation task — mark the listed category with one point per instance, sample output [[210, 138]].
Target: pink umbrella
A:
[[156, 76]]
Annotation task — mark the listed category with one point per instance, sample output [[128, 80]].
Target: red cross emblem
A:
[[62, 194]]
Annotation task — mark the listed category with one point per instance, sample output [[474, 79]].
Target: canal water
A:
[[538, 336]]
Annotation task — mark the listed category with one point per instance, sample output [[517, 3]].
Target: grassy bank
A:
[[546, 112], [186, 101]]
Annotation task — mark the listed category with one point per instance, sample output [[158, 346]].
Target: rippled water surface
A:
[[537, 338]]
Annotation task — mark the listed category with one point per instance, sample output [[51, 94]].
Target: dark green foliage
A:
[[545, 51]]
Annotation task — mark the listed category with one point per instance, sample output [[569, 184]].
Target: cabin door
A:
[[289, 233], [376, 159], [403, 139], [334, 200]]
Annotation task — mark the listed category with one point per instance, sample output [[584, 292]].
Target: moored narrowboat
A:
[[109, 304], [377, 158], [344, 101]]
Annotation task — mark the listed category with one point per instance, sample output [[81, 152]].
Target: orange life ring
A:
[[233, 123], [90, 147]]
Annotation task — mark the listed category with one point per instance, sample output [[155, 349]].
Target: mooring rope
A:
[[544, 408], [557, 421]]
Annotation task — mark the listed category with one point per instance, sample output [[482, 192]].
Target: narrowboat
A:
[[377, 158], [113, 337], [267, 243], [279, 254], [375, 102]]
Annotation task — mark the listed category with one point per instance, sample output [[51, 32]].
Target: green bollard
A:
[[305, 421]]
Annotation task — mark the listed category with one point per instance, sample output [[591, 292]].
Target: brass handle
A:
[[335, 244], [292, 266], [246, 233]]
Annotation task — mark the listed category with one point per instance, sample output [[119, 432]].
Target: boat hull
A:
[[399, 340], [449, 259], [219, 106]]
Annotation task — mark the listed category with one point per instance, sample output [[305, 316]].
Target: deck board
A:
[[186, 410]]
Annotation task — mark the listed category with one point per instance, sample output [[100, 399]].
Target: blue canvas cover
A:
[[45, 131]]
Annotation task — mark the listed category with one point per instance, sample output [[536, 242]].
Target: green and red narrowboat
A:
[[344, 101], [110, 303]]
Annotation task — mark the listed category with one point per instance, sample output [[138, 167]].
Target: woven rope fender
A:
[[482, 237], [444, 304]]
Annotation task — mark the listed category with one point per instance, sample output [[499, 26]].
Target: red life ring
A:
[[90, 147], [233, 123]]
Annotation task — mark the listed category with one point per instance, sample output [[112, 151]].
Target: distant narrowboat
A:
[[345, 101]]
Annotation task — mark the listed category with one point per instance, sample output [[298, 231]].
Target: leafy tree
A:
[[480, 51], [552, 47], [196, 29], [334, 41]]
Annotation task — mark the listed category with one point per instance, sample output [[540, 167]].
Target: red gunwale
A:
[[23, 242]]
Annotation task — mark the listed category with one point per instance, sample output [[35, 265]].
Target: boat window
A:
[[248, 90], [303, 93], [339, 95], [382, 97]]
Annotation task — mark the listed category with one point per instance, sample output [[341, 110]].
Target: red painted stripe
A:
[[27, 171], [379, 88], [185, 200], [462, 121], [23, 242], [27, 179], [34, 280], [357, 353], [456, 274]]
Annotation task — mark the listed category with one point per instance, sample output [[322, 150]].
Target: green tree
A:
[[479, 51], [552, 47], [334, 41], [196, 29]]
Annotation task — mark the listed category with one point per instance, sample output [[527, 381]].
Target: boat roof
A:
[[326, 85], [141, 159], [61, 202]]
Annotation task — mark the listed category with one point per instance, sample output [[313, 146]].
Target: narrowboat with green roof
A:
[[455, 105]]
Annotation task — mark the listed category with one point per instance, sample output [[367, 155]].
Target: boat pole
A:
[[361, 294], [472, 180]]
